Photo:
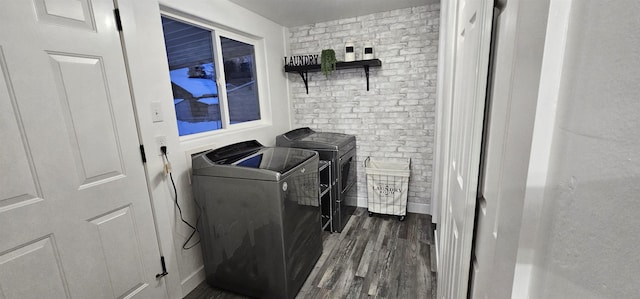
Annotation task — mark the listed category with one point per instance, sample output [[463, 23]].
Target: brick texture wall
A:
[[396, 117]]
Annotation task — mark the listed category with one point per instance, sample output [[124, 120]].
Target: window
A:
[[213, 77]]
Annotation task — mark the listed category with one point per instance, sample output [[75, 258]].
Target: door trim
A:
[[543, 127], [135, 36]]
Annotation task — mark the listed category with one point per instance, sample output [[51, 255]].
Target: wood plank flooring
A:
[[377, 257]]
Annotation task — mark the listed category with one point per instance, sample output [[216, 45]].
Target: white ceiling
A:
[[290, 13]]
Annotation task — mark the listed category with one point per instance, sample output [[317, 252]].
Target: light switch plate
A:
[[156, 112]]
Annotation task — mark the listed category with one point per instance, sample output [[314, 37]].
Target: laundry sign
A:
[[386, 190], [299, 60]]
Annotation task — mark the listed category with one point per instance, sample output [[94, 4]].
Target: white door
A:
[[75, 215], [487, 205], [470, 78]]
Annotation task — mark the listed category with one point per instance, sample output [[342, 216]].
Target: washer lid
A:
[[308, 138], [250, 161]]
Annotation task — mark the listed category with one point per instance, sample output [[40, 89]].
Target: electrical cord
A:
[[167, 169]]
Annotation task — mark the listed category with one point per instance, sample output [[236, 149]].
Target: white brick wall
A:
[[396, 118]]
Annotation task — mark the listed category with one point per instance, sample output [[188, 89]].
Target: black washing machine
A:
[[260, 227]]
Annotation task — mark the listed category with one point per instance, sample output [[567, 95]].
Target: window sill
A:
[[211, 138]]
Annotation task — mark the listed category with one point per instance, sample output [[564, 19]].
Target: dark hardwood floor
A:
[[375, 256]]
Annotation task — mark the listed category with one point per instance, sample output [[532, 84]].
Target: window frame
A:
[[260, 73]]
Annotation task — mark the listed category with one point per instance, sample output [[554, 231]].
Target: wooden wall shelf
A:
[[303, 70]]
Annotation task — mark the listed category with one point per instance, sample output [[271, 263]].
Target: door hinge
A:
[[116, 13], [164, 268], [142, 153]]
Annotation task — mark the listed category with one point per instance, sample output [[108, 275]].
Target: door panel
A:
[[84, 88], [21, 187], [470, 77], [74, 207], [34, 261], [70, 13], [121, 250]]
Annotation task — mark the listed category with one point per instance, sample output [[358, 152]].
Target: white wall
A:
[[150, 83], [588, 242], [396, 117]]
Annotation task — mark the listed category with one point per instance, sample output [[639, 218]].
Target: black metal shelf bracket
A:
[[303, 70], [366, 73], [305, 78]]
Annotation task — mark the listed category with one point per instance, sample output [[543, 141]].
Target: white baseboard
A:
[[193, 280], [418, 208]]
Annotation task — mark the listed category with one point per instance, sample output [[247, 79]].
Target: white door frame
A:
[[137, 34], [544, 126], [519, 44], [555, 43]]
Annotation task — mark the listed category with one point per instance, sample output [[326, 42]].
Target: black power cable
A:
[[175, 196]]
